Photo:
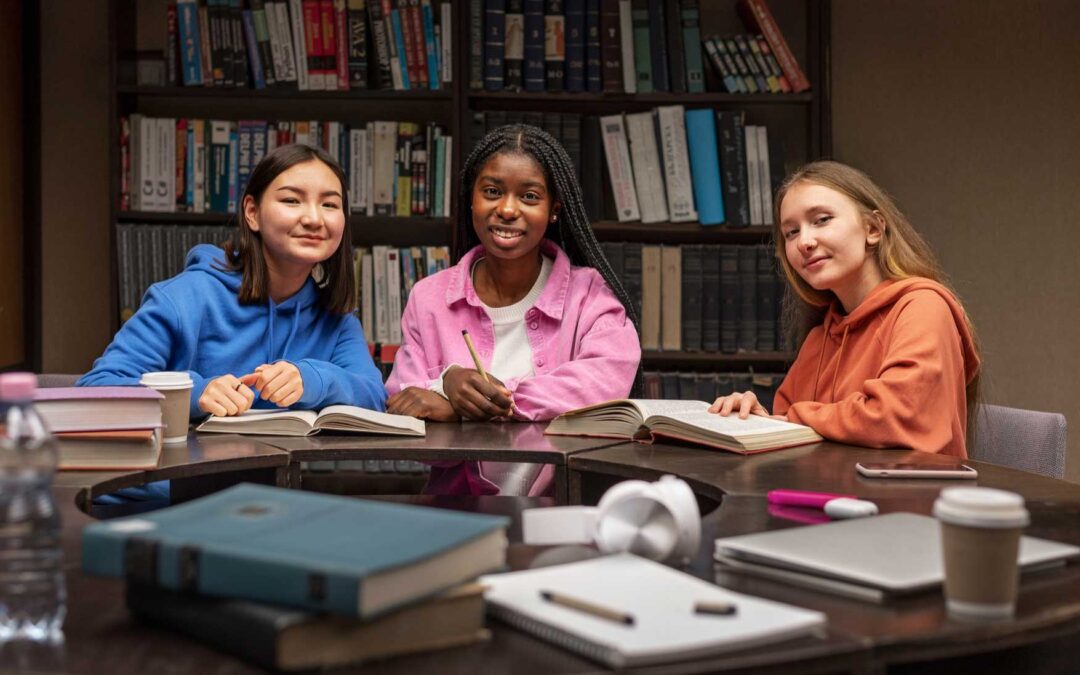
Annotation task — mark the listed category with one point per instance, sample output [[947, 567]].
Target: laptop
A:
[[871, 559]]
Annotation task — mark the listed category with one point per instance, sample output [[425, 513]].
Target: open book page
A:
[[730, 425], [657, 406], [350, 417], [255, 418]]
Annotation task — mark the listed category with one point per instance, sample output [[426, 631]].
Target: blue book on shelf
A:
[[254, 59], [575, 45], [353, 557], [399, 40], [494, 44], [534, 46], [430, 45], [705, 166], [187, 19], [234, 167]]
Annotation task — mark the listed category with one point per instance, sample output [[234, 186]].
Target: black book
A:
[[494, 44], [732, 138], [381, 40], [659, 46], [613, 252], [570, 135], [594, 65], [632, 271], [692, 283], [290, 639], [611, 47], [534, 74], [676, 53], [554, 45], [575, 45], [592, 168], [705, 388], [239, 45], [553, 125], [729, 298], [266, 52], [710, 307], [515, 44], [669, 385], [747, 298], [688, 387], [766, 299], [358, 51]]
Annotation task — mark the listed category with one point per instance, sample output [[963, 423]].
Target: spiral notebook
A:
[[660, 600]]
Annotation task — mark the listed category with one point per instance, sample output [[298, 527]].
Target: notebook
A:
[[661, 601], [646, 419], [870, 559], [302, 549], [346, 418]]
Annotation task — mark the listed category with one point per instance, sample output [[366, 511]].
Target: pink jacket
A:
[[585, 349]]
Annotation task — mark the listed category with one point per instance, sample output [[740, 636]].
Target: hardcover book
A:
[[344, 418]]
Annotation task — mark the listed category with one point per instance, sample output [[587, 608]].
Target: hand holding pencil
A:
[[475, 394]]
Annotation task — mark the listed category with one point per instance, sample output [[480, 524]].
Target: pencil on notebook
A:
[[588, 607], [475, 356]]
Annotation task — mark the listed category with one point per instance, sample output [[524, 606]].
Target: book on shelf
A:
[[646, 420], [301, 549], [660, 623], [757, 17], [287, 639], [339, 418]]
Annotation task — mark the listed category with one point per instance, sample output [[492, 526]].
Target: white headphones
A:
[[659, 521]]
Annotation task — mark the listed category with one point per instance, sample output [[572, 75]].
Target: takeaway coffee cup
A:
[[980, 541], [176, 388]]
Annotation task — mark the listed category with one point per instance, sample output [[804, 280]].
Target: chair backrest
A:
[[49, 380], [1021, 439]]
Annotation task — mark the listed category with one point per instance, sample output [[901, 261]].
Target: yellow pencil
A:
[[475, 356]]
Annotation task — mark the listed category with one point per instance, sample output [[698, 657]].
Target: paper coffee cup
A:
[[980, 541], [176, 387]]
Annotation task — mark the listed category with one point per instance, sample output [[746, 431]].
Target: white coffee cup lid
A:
[[166, 380], [981, 507]]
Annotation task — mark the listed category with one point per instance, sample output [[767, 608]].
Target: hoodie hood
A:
[[838, 327]]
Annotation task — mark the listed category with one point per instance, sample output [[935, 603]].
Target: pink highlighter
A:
[[835, 505]]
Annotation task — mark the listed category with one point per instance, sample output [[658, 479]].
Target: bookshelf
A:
[[799, 122]]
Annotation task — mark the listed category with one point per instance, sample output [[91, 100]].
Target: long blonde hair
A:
[[901, 253]]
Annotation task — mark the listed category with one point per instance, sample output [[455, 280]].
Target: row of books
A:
[[621, 46], [202, 166], [316, 45], [669, 164], [385, 276], [703, 297], [695, 386]]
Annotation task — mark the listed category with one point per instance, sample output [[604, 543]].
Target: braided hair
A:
[[572, 231]]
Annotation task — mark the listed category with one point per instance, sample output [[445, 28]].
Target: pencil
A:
[[475, 356], [588, 607], [715, 608]]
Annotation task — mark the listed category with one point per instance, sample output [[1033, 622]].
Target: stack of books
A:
[[292, 580], [104, 428]]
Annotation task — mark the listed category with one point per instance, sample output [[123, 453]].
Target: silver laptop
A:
[[867, 558]]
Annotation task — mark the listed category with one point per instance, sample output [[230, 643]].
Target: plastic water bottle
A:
[[33, 598]]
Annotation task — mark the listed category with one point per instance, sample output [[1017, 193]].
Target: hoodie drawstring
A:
[[839, 359], [271, 354], [821, 354], [821, 358], [292, 333], [270, 332]]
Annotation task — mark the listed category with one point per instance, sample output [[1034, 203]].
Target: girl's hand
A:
[[746, 402], [280, 383], [227, 395], [422, 403], [474, 398]]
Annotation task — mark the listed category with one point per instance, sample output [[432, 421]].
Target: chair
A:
[[1021, 439], [49, 380]]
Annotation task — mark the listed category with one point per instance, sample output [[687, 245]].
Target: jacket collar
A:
[[551, 301]]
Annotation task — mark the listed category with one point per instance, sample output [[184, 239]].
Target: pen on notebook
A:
[[588, 607], [475, 356], [715, 608]]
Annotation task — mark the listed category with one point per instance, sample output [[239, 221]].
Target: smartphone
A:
[[914, 470]]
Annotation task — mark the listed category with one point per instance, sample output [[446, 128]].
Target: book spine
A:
[[180, 164], [651, 297], [727, 78], [534, 68], [241, 63], [399, 58], [125, 163], [774, 67], [287, 50], [258, 76], [766, 311], [645, 157], [710, 306], [476, 44], [748, 302], [358, 45], [393, 294], [658, 46], [671, 126], [705, 166], [300, 45], [190, 43], [172, 43], [729, 299], [765, 177], [592, 167], [432, 52], [643, 62], [733, 162], [690, 16], [753, 174], [594, 81], [205, 47], [692, 291], [313, 49], [676, 51], [554, 45], [408, 35], [575, 45], [617, 154], [632, 279], [763, 64], [611, 47], [342, 44], [728, 46], [757, 17], [328, 38], [743, 46], [380, 39], [233, 169], [267, 58], [494, 44], [671, 295], [514, 43]]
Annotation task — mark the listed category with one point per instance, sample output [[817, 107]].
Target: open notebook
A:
[[346, 418], [645, 419], [661, 601]]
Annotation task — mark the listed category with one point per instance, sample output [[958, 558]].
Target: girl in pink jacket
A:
[[553, 327]]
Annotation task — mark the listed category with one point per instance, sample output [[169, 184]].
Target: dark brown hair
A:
[[244, 252]]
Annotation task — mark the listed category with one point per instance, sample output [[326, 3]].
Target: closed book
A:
[[613, 253], [748, 303], [554, 45], [727, 45], [258, 73], [648, 170], [338, 418], [643, 62], [534, 74], [476, 44], [282, 638], [671, 128], [753, 175], [658, 47], [705, 166], [187, 15], [766, 299], [611, 47], [710, 307], [765, 181], [570, 137], [732, 142], [758, 19], [693, 283], [300, 549], [729, 298], [651, 384], [380, 39], [218, 175], [764, 83], [664, 626], [723, 67], [632, 280], [575, 45], [770, 61], [594, 81], [617, 156], [671, 298], [494, 44], [690, 19], [651, 299], [626, 42], [514, 45], [399, 53], [763, 64], [357, 60], [675, 50], [123, 450], [592, 168]]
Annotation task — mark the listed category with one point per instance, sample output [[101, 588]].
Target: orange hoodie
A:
[[892, 374]]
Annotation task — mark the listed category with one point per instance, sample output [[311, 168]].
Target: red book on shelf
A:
[[329, 44], [313, 44], [757, 17], [341, 44]]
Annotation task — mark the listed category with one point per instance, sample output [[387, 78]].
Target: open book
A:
[[645, 419], [306, 422]]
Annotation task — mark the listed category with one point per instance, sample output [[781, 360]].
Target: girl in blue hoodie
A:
[[265, 321]]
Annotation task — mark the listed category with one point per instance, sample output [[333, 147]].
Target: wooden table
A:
[[467, 441]]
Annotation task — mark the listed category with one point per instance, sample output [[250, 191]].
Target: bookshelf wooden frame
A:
[[813, 108]]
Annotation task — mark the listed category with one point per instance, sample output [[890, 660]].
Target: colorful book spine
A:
[[690, 16], [187, 13], [705, 166], [757, 17]]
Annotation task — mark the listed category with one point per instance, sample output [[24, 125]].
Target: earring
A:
[[554, 217]]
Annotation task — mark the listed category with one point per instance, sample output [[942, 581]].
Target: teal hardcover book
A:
[[320, 552]]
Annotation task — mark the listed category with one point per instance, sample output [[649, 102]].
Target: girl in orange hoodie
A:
[[889, 357]]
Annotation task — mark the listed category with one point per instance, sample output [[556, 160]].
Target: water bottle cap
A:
[[18, 386]]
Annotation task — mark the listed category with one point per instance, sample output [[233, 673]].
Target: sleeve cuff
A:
[[436, 385]]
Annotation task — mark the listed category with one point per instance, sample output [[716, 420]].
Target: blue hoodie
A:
[[194, 322]]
